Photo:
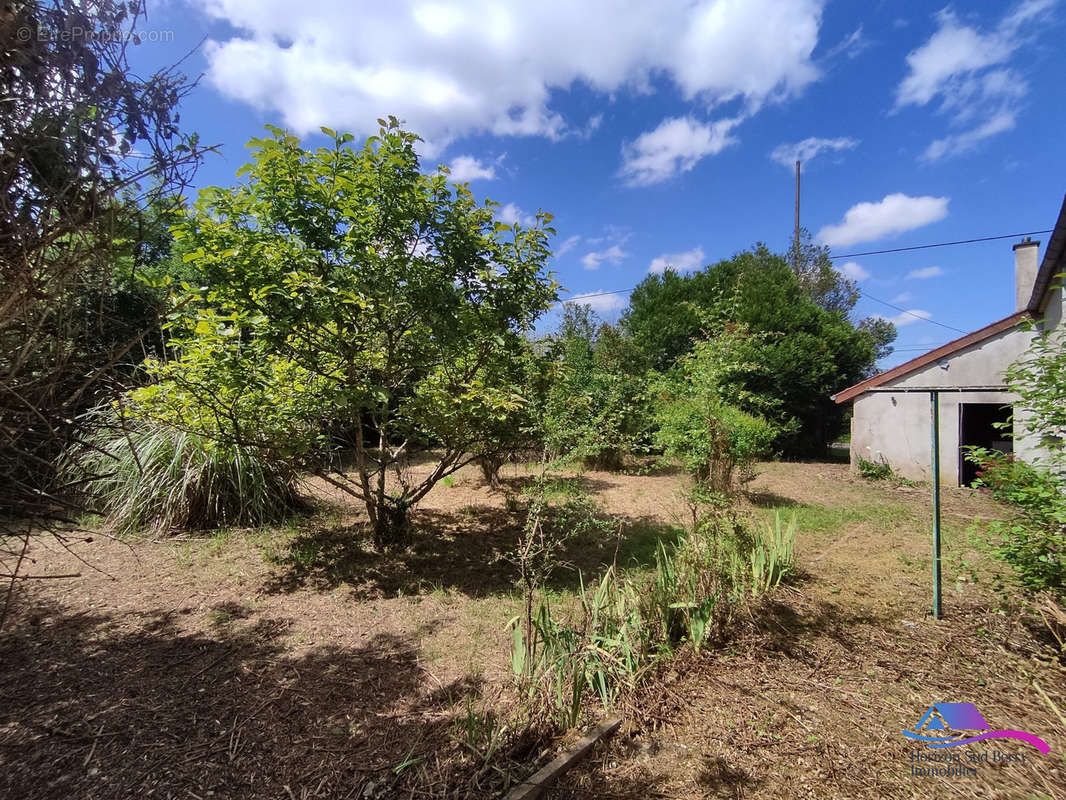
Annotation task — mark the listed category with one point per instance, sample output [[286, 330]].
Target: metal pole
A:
[[934, 403]]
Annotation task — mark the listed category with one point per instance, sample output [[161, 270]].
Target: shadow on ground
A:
[[470, 551], [133, 705], [766, 499], [789, 628]]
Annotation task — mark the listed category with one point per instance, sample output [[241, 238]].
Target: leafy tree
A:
[[808, 353], [517, 430], [700, 415], [596, 409], [346, 299], [830, 290], [79, 135], [819, 280], [882, 332]]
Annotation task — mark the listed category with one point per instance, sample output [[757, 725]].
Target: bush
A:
[[595, 408], [716, 443], [716, 429], [1033, 543], [150, 475]]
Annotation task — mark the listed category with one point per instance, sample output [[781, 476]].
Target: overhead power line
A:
[[910, 313], [870, 253], [941, 244]]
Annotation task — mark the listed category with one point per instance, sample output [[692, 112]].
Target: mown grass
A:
[[831, 520]]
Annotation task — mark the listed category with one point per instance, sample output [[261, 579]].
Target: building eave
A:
[[907, 367]]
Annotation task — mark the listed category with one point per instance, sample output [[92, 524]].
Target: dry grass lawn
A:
[[295, 662]]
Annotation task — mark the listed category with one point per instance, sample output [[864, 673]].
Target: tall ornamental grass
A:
[[149, 475]]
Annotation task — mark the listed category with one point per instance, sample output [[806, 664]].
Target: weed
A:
[[623, 626], [184, 554], [875, 470], [218, 541], [480, 731], [554, 488], [222, 616], [304, 552]]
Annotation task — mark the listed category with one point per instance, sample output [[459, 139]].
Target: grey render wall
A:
[[896, 426], [1054, 312]]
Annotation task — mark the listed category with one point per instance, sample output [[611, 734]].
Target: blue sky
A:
[[663, 133]]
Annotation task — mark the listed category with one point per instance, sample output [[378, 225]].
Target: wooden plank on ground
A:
[[532, 786]]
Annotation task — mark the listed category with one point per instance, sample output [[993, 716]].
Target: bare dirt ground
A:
[[814, 703], [296, 662]]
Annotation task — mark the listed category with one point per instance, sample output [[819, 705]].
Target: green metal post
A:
[[934, 402]]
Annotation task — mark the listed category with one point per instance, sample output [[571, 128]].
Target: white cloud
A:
[[905, 318], [590, 127], [924, 273], [789, 154], [852, 45], [954, 144], [677, 145], [510, 214], [601, 302], [612, 255], [903, 297], [450, 68], [567, 246], [468, 168], [964, 68], [854, 271], [678, 262], [895, 213]]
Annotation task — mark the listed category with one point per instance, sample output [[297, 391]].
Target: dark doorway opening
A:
[[979, 426]]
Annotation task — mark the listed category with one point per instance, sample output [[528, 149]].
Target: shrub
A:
[[707, 421], [594, 409], [1039, 379], [150, 475], [1033, 542], [875, 470]]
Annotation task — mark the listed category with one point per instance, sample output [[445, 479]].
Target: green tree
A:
[[73, 116], [344, 299], [808, 353], [819, 280], [700, 411], [882, 332], [596, 409]]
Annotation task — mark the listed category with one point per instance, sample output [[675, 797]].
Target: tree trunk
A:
[[392, 529], [490, 469]]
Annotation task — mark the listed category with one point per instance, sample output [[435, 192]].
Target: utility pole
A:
[[796, 234]]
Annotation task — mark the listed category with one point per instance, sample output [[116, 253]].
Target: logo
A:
[[951, 719]]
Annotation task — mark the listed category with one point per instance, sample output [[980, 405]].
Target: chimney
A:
[[1025, 268]]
